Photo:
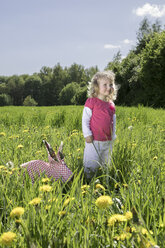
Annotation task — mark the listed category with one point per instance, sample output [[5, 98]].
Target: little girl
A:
[[99, 121]]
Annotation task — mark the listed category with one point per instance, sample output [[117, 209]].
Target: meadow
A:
[[124, 206]]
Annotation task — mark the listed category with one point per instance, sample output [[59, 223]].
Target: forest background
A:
[[140, 77]]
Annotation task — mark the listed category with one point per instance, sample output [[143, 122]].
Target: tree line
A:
[[140, 77]]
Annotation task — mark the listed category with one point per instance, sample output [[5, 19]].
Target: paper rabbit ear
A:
[[61, 155], [50, 150]]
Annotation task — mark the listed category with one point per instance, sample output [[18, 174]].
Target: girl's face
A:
[[105, 88]]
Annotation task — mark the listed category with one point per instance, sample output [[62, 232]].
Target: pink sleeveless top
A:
[[101, 123]]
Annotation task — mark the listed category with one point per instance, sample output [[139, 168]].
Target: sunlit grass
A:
[[69, 215]]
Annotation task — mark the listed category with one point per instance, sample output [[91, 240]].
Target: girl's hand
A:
[[89, 139]]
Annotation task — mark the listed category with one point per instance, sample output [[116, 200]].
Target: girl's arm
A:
[[114, 127], [86, 117]]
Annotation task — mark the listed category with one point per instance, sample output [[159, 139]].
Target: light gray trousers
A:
[[96, 154]]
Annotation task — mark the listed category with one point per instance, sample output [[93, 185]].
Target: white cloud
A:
[[150, 9], [126, 41], [110, 46]]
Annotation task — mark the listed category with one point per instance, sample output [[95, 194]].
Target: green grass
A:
[[135, 180]]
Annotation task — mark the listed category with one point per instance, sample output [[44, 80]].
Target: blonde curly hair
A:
[[93, 86]]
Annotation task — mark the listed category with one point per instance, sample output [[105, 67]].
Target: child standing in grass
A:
[[99, 121]]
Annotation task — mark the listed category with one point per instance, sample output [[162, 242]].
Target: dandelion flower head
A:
[[17, 212], [129, 215], [46, 188], [35, 201], [116, 218], [103, 201], [7, 238], [99, 186]]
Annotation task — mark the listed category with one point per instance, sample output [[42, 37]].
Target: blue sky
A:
[[37, 33]]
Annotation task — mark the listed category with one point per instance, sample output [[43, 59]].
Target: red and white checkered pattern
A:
[[54, 169]]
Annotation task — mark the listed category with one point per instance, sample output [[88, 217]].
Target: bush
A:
[[29, 101]]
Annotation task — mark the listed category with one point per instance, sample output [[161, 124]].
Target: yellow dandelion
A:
[[20, 146], [84, 192], [125, 185], [47, 207], [116, 218], [25, 131], [45, 180], [66, 202], [7, 238], [104, 201], [53, 200], [2, 134], [123, 236], [117, 185], [61, 213], [17, 212], [78, 150], [129, 215], [35, 201], [85, 187], [99, 186], [45, 188], [2, 167], [144, 231], [14, 169], [18, 221]]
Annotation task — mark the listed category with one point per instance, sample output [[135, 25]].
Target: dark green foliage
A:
[[29, 101], [5, 100]]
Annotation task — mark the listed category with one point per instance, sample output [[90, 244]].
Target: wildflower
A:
[[45, 180], [116, 218], [14, 169], [104, 201], [35, 201], [20, 146], [17, 212], [134, 144], [18, 221], [2, 166], [125, 185], [123, 236], [78, 149], [47, 207], [66, 202], [52, 200], [61, 213], [99, 186], [144, 231], [2, 134], [155, 158], [128, 215], [25, 131], [7, 238], [85, 187], [45, 188], [83, 192]]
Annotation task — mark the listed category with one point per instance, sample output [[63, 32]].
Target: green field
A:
[[69, 215]]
